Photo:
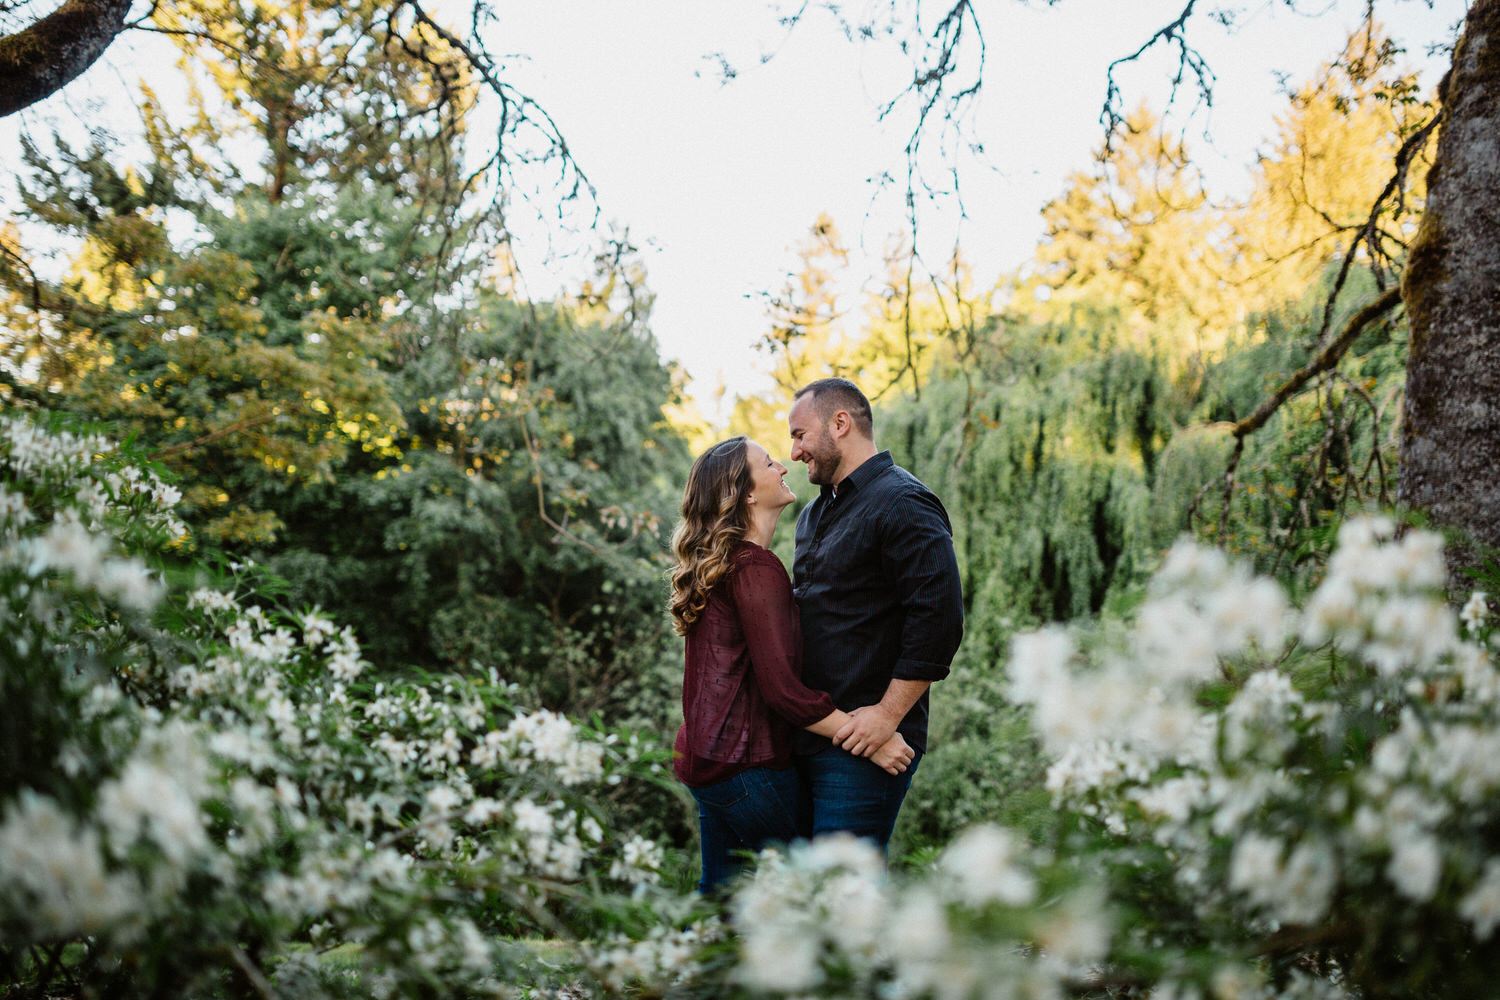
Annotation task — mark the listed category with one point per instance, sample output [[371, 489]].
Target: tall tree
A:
[[1450, 437], [246, 356], [1138, 234], [1451, 289], [468, 478], [1327, 164]]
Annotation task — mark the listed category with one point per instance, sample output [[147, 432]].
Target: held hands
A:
[[868, 730], [894, 755]]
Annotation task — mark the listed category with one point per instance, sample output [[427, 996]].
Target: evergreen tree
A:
[[1333, 152], [470, 479], [1137, 235]]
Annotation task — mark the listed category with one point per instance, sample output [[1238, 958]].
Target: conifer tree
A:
[[1138, 235]]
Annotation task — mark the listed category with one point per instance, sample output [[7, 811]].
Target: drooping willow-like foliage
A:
[[1045, 459]]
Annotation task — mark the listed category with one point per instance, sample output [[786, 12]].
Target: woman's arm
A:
[[762, 596], [894, 754]]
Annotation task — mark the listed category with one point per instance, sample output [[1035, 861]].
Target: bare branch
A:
[[512, 102], [1189, 61], [235, 427], [535, 454], [1325, 361], [11, 260], [257, 978], [1369, 235]]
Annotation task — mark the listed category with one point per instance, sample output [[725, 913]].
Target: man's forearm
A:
[[868, 728], [901, 695]]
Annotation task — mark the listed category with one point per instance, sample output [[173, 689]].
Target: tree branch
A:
[[232, 428], [257, 978], [541, 496], [1189, 60], [1369, 233], [1326, 359], [40, 60]]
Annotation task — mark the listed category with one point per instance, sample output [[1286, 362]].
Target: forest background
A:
[[366, 407], [297, 302]]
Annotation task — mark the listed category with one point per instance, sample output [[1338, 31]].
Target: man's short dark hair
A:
[[830, 395]]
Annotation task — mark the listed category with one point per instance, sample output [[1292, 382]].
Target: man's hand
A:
[[866, 731]]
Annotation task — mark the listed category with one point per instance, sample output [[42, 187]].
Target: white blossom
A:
[[985, 863], [1475, 610], [1415, 867], [1293, 887], [57, 867], [1481, 905]]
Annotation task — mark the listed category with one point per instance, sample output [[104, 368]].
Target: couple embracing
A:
[[805, 708]]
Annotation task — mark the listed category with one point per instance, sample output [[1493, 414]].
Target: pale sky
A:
[[717, 181]]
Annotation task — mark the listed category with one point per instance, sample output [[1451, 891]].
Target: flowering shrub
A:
[[202, 794], [199, 794], [1268, 802], [825, 921], [1350, 821]]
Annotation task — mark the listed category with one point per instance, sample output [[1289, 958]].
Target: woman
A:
[[742, 689]]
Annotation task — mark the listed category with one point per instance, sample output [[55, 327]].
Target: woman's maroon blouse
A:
[[742, 690]]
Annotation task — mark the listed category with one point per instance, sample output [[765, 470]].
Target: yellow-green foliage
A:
[[1333, 151]]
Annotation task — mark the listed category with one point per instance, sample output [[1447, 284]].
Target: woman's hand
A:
[[894, 755]]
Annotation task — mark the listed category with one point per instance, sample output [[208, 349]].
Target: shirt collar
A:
[[861, 476]]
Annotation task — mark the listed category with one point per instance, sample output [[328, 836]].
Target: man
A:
[[882, 612]]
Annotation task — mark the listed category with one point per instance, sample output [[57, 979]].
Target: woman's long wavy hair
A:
[[715, 517]]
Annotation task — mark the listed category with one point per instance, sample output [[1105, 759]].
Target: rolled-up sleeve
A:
[[917, 552], [762, 596]]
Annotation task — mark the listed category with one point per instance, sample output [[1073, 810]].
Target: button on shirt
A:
[[878, 589]]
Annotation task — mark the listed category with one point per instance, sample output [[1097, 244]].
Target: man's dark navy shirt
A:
[[878, 590]]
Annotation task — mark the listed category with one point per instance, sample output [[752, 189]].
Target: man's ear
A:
[[841, 424]]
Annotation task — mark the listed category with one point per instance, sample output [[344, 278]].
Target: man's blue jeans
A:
[[843, 792], [752, 810]]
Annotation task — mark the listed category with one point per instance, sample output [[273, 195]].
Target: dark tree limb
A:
[[1325, 361], [39, 60], [1370, 233], [11, 260], [253, 974]]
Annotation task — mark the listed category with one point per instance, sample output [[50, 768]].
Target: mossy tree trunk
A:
[[1450, 436], [41, 59]]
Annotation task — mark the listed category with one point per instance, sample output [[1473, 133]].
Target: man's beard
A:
[[825, 463]]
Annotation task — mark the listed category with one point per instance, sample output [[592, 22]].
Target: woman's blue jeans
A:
[[752, 810]]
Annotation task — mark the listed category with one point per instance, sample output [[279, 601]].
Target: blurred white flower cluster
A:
[[655, 963], [1261, 803], [238, 781], [1289, 808], [86, 503], [824, 920], [543, 737], [1382, 601]]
